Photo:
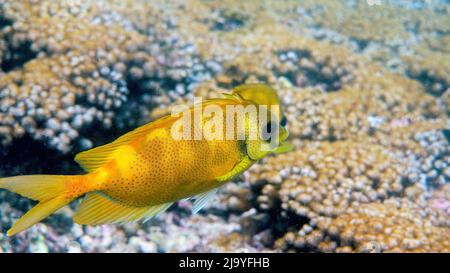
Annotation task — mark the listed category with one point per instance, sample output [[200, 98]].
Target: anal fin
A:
[[98, 209]]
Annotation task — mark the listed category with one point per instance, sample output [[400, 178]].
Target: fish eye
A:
[[267, 132], [269, 127], [283, 121]]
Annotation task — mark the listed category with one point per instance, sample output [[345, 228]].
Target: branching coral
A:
[[355, 110], [441, 198], [85, 69], [431, 68], [304, 191], [393, 226], [316, 198]]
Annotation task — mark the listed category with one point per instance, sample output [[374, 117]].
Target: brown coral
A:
[[394, 226], [80, 67]]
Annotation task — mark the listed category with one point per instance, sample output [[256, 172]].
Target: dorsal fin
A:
[[232, 96], [98, 209], [247, 86], [94, 158]]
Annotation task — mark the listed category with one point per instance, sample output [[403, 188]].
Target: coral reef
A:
[[367, 105], [171, 234], [431, 68], [308, 189], [393, 226], [85, 70]]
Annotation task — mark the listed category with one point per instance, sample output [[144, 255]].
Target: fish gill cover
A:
[[365, 87]]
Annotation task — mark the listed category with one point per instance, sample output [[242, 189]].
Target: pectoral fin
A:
[[284, 148], [239, 168], [202, 199]]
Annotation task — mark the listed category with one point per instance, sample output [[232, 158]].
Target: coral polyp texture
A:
[[365, 89]]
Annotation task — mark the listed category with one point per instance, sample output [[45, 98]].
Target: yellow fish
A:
[[140, 174]]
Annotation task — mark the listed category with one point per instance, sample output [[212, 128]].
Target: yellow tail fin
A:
[[50, 190]]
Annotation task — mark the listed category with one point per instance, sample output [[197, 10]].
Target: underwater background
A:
[[366, 89]]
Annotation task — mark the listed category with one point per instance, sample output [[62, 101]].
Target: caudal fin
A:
[[50, 190]]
